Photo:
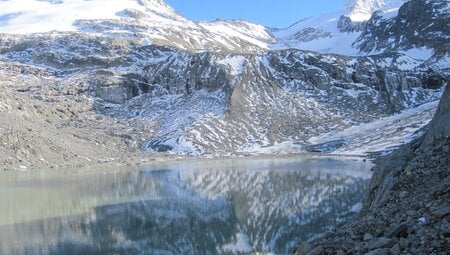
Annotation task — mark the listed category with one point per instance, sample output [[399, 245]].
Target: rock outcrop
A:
[[408, 208], [440, 125], [419, 23]]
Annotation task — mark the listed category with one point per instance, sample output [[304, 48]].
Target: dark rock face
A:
[[419, 23], [345, 24], [309, 34], [186, 74], [440, 125]]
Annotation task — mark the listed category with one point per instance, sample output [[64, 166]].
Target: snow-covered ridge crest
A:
[[33, 16], [361, 10], [149, 21]]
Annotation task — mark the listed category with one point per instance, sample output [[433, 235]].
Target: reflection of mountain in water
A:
[[194, 209]]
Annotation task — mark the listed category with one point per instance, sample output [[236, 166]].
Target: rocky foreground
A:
[[408, 209]]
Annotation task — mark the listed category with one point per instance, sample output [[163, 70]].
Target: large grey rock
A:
[[399, 230], [304, 249], [367, 237], [404, 243], [396, 250], [381, 251], [381, 242], [317, 251]]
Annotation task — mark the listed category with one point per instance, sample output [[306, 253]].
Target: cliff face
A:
[[434, 143], [408, 208], [440, 125], [418, 24]]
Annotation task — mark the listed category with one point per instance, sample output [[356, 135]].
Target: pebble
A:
[[446, 233], [403, 194], [303, 249], [367, 237], [382, 251], [317, 251], [396, 250], [329, 234], [398, 231], [404, 243], [381, 242], [422, 220], [442, 212], [411, 213], [378, 232], [340, 252]]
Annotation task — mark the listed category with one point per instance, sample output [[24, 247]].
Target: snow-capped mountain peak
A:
[[151, 21], [361, 10], [155, 22], [34, 16], [159, 7]]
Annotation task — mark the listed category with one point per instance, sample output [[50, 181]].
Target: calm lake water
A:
[[230, 206]]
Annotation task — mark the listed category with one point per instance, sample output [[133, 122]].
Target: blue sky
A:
[[271, 13]]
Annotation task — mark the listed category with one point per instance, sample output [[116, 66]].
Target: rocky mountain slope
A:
[[141, 78], [408, 209]]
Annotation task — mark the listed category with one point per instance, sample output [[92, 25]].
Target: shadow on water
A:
[[196, 208]]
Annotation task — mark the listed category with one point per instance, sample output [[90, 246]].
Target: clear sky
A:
[[271, 13]]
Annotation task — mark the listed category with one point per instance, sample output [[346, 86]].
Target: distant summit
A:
[[360, 28], [361, 10], [37, 16]]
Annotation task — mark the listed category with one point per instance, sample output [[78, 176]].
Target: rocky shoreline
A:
[[408, 208]]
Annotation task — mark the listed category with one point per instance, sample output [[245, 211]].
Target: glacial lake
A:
[[226, 206]]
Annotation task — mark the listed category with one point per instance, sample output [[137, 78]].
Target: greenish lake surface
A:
[[226, 206]]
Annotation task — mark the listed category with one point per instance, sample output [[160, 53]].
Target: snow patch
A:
[[361, 10], [384, 134], [287, 147], [324, 36], [356, 208], [422, 53], [33, 16], [235, 63], [242, 245]]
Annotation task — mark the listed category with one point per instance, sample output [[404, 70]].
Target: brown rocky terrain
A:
[[408, 208]]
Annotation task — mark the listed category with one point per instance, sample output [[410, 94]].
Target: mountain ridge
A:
[[155, 22], [235, 97]]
